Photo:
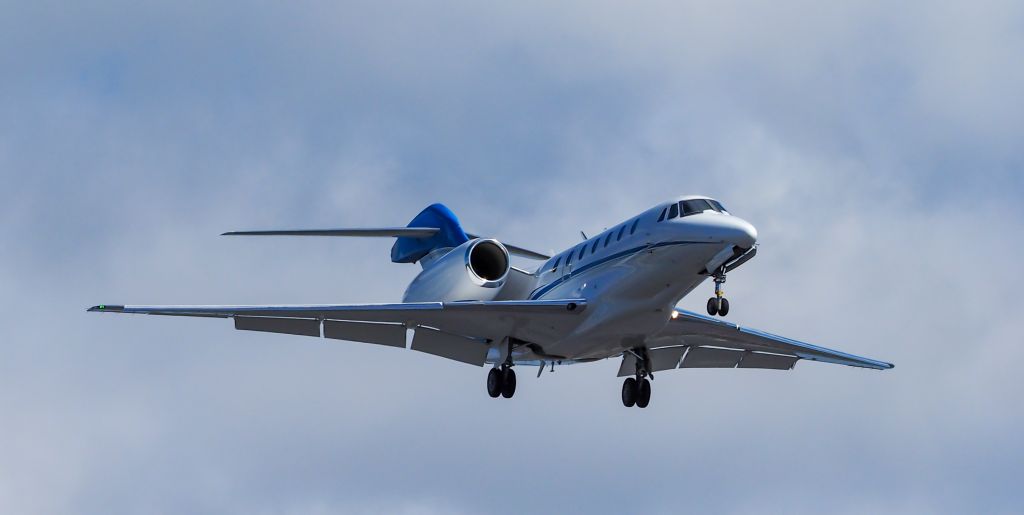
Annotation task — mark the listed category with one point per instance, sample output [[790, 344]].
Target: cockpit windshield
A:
[[718, 206], [700, 205], [691, 207]]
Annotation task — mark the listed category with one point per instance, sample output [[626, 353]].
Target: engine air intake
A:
[[489, 260]]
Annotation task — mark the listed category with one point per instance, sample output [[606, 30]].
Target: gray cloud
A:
[[875, 147]]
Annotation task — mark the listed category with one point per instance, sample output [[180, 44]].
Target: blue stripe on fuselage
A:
[[537, 293]]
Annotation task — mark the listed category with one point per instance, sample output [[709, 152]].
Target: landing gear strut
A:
[[637, 390], [502, 380], [718, 305]]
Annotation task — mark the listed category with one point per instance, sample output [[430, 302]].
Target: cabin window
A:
[[558, 261], [594, 248], [583, 249], [609, 238], [633, 228], [622, 230]]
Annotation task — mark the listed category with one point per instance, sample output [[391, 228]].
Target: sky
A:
[[876, 147]]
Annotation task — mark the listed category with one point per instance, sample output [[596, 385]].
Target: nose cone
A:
[[739, 232], [716, 227]]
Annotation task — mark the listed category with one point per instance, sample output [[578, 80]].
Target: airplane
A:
[[612, 296]]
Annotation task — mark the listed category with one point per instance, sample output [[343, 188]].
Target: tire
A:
[[724, 308], [494, 382], [643, 397], [713, 306], [629, 392], [508, 383]]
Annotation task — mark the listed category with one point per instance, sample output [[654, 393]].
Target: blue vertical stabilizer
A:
[[411, 250]]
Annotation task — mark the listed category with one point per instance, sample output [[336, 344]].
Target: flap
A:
[[299, 326], [703, 357], [380, 333], [446, 345], [772, 361], [661, 359]]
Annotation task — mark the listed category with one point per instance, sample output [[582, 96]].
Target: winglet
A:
[[107, 307]]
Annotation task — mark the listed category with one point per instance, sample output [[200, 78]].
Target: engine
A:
[[475, 270]]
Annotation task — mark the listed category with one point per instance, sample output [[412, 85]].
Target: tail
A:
[[450, 234], [436, 227]]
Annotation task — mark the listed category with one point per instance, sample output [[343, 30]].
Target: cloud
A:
[[874, 147]]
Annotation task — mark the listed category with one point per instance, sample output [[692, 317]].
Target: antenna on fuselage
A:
[[584, 235]]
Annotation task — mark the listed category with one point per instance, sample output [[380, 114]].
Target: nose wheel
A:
[[718, 305]]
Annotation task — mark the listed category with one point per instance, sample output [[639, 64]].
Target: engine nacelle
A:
[[475, 270]]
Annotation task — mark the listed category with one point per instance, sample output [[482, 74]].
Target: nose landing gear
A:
[[718, 305]]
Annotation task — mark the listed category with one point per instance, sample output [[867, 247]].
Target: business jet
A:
[[612, 296]]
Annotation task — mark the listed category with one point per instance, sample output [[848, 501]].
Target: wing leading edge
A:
[[691, 340], [373, 312]]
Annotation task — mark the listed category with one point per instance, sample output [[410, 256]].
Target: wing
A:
[[462, 331], [691, 340]]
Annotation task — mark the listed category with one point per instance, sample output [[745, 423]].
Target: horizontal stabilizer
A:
[[518, 251], [435, 227], [398, 232], [382, 232]]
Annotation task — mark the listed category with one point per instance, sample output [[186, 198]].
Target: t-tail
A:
[[436, 227]]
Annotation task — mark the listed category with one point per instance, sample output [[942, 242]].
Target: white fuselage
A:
[[631, 275]]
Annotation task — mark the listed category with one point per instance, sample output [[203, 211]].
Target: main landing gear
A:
[[637, 390], [502, 380], [718, 305]]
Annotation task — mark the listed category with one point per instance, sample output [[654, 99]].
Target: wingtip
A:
[[107, 307]]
